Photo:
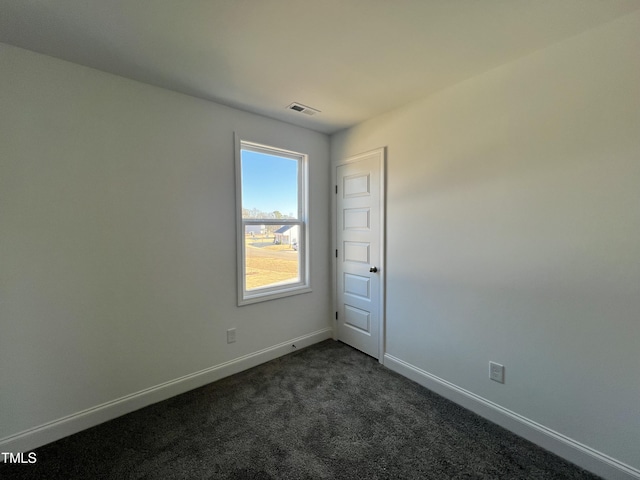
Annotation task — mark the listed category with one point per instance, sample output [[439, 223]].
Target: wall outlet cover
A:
[[231, 335], [496, 372]]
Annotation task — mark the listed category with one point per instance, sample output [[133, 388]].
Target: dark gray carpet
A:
[[326, 412]]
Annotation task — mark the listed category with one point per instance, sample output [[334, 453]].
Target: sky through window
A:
[[269, 183]]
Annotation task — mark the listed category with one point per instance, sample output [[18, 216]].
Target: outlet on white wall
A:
[[496, 372], [231, 335]]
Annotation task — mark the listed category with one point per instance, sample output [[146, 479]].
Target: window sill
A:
[[266, 296]]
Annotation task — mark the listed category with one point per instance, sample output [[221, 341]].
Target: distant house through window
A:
[[288, 235], [272, 222]]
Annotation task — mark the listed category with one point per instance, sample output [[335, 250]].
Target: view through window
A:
[[273, 222]]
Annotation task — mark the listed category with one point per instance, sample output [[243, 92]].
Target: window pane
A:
[[269, 186], [271, 255]]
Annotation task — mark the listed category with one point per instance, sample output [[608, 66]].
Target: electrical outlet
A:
[[496, 372], [231, 335]]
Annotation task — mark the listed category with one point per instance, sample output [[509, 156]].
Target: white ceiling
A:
[[351, 59]]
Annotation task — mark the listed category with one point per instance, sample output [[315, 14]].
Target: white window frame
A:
[[275, 291]]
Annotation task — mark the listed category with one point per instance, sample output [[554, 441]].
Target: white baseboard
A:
[[563, 446], [63, 427]]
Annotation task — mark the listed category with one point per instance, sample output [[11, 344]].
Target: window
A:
[[272, 222]]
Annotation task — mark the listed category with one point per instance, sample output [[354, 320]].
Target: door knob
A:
[[373, 269]]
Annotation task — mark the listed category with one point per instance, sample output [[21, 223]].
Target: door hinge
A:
[[336, 315], [336, 253], [336, 189]]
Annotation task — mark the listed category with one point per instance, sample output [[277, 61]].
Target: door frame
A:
[[382, 152]]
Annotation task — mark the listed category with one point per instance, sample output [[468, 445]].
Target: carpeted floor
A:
[[325, 412]]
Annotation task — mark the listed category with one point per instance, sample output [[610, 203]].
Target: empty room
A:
[[273, 239]]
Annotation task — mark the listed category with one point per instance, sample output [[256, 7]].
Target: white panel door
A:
[[359, 251]]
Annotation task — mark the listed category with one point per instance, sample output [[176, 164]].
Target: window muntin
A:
[[272, 223]]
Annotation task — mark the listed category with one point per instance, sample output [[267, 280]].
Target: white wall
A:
[[513, 235], [118, 241]]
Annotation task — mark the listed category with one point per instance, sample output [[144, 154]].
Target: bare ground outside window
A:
[[268, 263]]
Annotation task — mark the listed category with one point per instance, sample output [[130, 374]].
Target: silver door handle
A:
[[373, 269]]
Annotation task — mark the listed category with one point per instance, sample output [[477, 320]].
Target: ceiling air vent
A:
[[298, 107]]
